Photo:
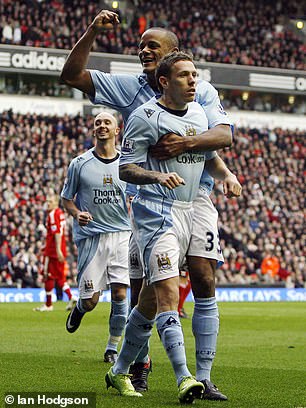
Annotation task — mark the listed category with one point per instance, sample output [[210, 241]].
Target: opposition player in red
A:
[[55, 254], [184, 290]]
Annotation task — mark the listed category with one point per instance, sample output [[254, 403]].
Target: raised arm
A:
[[74, 72], [171, 145], [132, 173]]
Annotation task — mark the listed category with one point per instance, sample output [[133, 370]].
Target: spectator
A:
[[22, 276], [7, 32], [142, 23], [17, 33], [246, 33], [4, 259], [270, 266]]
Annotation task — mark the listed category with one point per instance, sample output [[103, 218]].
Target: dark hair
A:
[[165, 65], [169, 36]]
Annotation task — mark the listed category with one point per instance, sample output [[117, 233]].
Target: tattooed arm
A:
[[132, 173]]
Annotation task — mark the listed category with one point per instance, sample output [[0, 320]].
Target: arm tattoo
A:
[[132, 173]]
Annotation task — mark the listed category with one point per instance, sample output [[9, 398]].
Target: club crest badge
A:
[[163, 261], [107, 180]]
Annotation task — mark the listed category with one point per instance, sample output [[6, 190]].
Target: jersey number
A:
[[210, 242]]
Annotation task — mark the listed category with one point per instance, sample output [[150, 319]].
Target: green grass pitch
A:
[[261, 358]]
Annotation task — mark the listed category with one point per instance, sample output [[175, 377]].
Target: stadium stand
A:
[[35, 152], [245, 33]]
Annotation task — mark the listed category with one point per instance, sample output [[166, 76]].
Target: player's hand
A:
[[45, 272], [60, 257], [45, 276], [169, 145], [170, 180], [105, 20], [231, 186], [84, 218]]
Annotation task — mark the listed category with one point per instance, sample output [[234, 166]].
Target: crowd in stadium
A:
[[264, 226], [41, 87], [246, 33]]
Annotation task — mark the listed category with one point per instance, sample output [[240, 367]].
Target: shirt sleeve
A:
[[55, 223], [114, 91], [71, 182], [131, 189], [210, 155], [207, 96], [138, 137]]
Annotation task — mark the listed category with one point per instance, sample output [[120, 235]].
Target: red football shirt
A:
[[55, 225]]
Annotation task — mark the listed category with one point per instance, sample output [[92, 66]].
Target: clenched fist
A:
[[105, 20]]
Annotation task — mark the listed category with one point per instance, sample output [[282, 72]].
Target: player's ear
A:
[[117, 131], [163, 82]]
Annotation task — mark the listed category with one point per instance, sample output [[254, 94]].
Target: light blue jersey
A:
[[144, 128], [125, 93], [95, 185]]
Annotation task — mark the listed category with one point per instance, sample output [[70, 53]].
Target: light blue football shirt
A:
[[95, 186], [125, 93], [143, 129]]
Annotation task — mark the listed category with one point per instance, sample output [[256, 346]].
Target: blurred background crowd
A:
[[257, 33], [232, 32], [262, 232]]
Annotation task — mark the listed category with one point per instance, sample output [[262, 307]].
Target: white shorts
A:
[[162, 231], [135, 265], [105, 262], [205, 235]]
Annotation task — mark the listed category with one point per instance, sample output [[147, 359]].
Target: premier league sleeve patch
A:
[[128, 146]]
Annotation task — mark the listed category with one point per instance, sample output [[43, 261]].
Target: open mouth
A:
[[147, 60]]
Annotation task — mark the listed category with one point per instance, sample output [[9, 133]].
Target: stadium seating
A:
[[236, 32], [35, 153]]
